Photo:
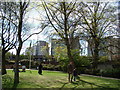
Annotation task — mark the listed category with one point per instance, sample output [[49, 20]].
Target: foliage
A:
[[7, 29], [8, 55], [82, 60], [64, 63], [61, 56], [51, 67], [7, 81], [103, 59], [60, 17], [11, 56], [60, 52], [115, 73], [99, 24], [24, 57], [82, 63], [29, 50], [92, 71], [26, 62], [45, 50]]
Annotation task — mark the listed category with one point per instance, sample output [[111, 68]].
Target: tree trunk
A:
[[3, 63], [21, 12], [68, 50], [95, 55], [66, 33], [16, 74]]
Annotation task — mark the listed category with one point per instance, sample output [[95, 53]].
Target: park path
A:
[[99, 76]]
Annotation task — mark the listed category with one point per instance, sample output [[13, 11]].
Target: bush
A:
[[115, 73], [64, 63], [26, 62], [81, 63], [103, 59], [58, 68], [7, 81], [93, 72], [51, 67]]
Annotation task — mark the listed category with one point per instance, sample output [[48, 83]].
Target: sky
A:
[[33, 19]]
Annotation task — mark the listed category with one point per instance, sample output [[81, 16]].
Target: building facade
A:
[[39, 50], [59, 42], [110, 48]]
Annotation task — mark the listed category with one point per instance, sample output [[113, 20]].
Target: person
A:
[[40, 69], [75, 75], [23, 68], [37, 68], [70, 71], [13, 68]]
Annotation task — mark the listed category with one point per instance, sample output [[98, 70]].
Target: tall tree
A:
[[98, 24], [8, 29], [61, 17], [15, 24], [23, 8]]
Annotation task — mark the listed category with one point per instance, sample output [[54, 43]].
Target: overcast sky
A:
[[33, 18]]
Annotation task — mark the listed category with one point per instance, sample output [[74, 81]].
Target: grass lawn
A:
[[54, 79]]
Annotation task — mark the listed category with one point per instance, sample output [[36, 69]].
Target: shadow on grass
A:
[[64, 85], [15, 86], [82, 82]]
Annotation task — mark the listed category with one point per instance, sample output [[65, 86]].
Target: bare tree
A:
[[13, 29], [8, 30], [98, 24], [61, 17], [23, 8]]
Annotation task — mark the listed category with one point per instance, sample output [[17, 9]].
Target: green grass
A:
[[53, 79]]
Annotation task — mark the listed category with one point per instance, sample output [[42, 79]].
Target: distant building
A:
[[112, 48], [84, 46], [39, 50], [55, 43], [60, 42], [91, 48]]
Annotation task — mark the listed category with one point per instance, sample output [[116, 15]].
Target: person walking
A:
[[75, 75], [23, 68], [70, 71], [40, 69]]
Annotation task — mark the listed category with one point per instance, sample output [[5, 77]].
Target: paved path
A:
[[99, 76]]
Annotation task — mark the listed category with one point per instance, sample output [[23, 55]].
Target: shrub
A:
[[115, 73], [63, 64], [103, 59], [81, 63], [7, 81], [93, 71], [51, 67]]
